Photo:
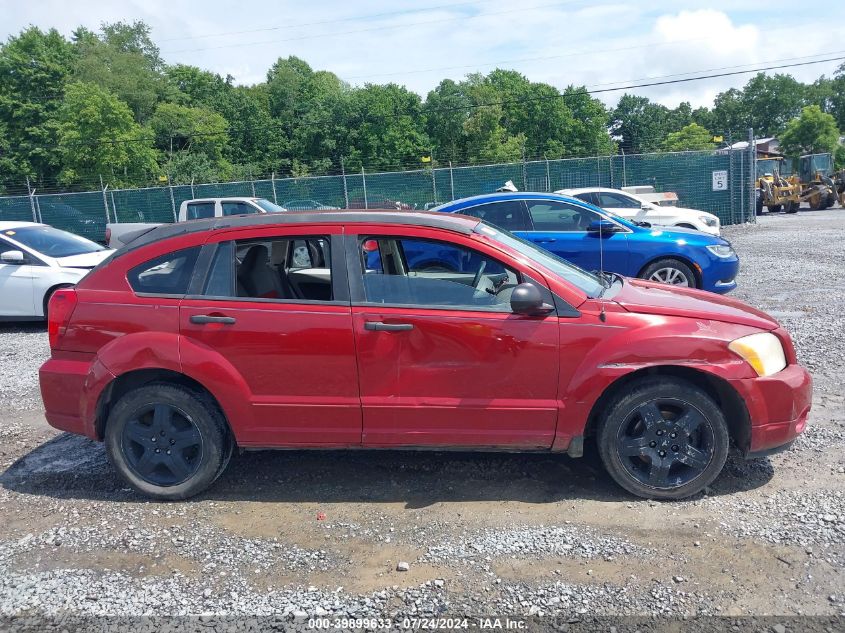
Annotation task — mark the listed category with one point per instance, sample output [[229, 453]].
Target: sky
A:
[[417, 43]]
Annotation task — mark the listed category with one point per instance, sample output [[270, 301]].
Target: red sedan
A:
[[310, 330]]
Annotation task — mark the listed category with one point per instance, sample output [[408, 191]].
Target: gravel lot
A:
[[297, 534]]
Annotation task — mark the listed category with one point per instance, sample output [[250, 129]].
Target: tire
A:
[[670, 271], [173, 416], [668, 406], [792, 207], [776, 208]]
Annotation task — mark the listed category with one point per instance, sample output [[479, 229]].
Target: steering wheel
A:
[[477, 279]]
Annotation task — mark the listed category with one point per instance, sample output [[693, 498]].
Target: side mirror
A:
[[12, 257], [527, 299], [602, 226]]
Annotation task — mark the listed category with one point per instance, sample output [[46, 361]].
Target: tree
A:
[[814, 132], [771, 101], [34, 67], [446, 109], [182, 129], [587, 133], [98, 137], [384, 128], [688, 138], [124, 60], [639, 124]]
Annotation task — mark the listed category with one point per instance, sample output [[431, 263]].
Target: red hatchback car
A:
[[310, 330]]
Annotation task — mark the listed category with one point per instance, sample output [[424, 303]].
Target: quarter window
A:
[[551, 215], [169, 274], [433, 274]]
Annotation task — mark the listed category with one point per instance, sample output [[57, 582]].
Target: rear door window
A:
[[168, 274], [509, 215], [274, 268]]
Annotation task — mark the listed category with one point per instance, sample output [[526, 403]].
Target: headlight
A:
[[763, 351], [709, 220], [721, 250]]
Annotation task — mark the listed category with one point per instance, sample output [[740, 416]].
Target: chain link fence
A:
[[720, 182]]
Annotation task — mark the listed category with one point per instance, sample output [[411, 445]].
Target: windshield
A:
[[587, 282], [268, 206], [52, 242]]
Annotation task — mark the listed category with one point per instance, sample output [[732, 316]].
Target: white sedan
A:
[[631, 207], [35, 260]]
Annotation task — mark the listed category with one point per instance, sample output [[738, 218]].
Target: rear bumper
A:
[[778, 406], [70, 389]]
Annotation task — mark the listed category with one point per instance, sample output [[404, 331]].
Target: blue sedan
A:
[[596, 239]]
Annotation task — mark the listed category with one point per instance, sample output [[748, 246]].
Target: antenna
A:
[[602, 315]]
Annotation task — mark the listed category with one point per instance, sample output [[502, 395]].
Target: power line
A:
[[352, 18], [371, 29]]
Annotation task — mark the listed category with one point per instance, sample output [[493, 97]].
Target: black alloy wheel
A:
[[162, 444], [168, 441], [665, 443], [663, 437]]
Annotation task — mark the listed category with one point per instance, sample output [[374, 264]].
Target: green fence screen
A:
[[718, 182]]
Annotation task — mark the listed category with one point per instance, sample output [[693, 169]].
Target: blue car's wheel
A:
[[670, 271]]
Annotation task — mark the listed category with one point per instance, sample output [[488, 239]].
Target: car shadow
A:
[[74, 467], [26, 327]]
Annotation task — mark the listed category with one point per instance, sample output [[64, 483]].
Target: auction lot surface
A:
[[322, 533]]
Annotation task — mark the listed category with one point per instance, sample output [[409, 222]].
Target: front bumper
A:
[[719, 275], [778, 406]]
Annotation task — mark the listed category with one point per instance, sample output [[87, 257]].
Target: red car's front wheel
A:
[[663, 438]]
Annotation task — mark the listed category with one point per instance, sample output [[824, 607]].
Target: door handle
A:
[[378, 326], [545, 240], [205, 318]]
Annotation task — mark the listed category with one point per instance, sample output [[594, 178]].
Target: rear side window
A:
[[199, 210], [169, 274]]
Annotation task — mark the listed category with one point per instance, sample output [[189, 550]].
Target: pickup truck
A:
[[194, 210]]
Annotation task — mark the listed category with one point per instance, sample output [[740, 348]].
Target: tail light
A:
[[108, 235], [59, 310]]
